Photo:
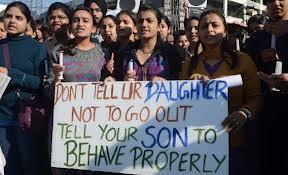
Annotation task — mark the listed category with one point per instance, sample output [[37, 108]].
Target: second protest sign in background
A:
[[171, 127]]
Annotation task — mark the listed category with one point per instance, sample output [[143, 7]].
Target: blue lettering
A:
[[220, 90], [154, 139], [181, 91], [171, 92], [149, 93], [185, 94], [162, 91], [184, 142], [195, 90], [208, 89], [158, 137]]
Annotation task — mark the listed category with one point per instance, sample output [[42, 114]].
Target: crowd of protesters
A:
[[98, 47]]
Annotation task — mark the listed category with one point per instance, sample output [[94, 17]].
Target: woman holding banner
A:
[[150, 59], [217, 61], [80, 53], [81, 60]]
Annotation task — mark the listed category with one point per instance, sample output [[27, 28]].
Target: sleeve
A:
[[184, 71], [251, 86], [118, 67], [174, 61], [30, 81], [104, 71]]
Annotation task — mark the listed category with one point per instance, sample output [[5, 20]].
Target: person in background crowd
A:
[[3, 32], [256, 23], [58, 17], [126, 30], [31, 29], [237, 35], [108, 29], [180, 39], [126, 27], [152, 59], [191, 28], [165, 28], [170, 39], [216, 60], [109, 33], [41, 32], [99, 10], [266, 53], [24, 63]]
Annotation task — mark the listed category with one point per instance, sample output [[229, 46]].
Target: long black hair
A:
[[225, 49]]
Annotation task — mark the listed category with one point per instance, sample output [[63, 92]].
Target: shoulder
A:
[[245, 60], [259, 36]]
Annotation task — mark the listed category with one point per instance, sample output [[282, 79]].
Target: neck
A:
[[148, 44], [84, 43], [132, 37], [15, 35]]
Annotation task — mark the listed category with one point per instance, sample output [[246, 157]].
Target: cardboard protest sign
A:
[[171, 127], [4, 81]]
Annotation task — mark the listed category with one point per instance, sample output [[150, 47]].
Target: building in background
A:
[[234, 10], [2, 9]]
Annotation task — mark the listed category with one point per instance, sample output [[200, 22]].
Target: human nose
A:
[[210, 28], [106, 29], [277, 2], [121, 24], [80, 23], [194, 30]]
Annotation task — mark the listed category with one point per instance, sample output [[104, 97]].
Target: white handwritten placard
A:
[[171, 127]]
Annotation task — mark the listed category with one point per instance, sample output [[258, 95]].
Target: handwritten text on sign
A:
[[171, 127]]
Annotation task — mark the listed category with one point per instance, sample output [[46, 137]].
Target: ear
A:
[[134, 29], [28, 24], [225, 35], [94, 29], [169, 30]]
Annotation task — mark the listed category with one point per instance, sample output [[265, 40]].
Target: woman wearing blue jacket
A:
[[21, 58]]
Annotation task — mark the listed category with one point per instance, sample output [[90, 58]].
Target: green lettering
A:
[[146, 156], [85, 129], [119, 155], [219, 162], [214, 136], [166, 160], [62, 128], [103, 130], [204, 165], [81, 153], [102, 155], [182, 161], [135, 158], [70, 153], [172, 160], [193, 161]]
